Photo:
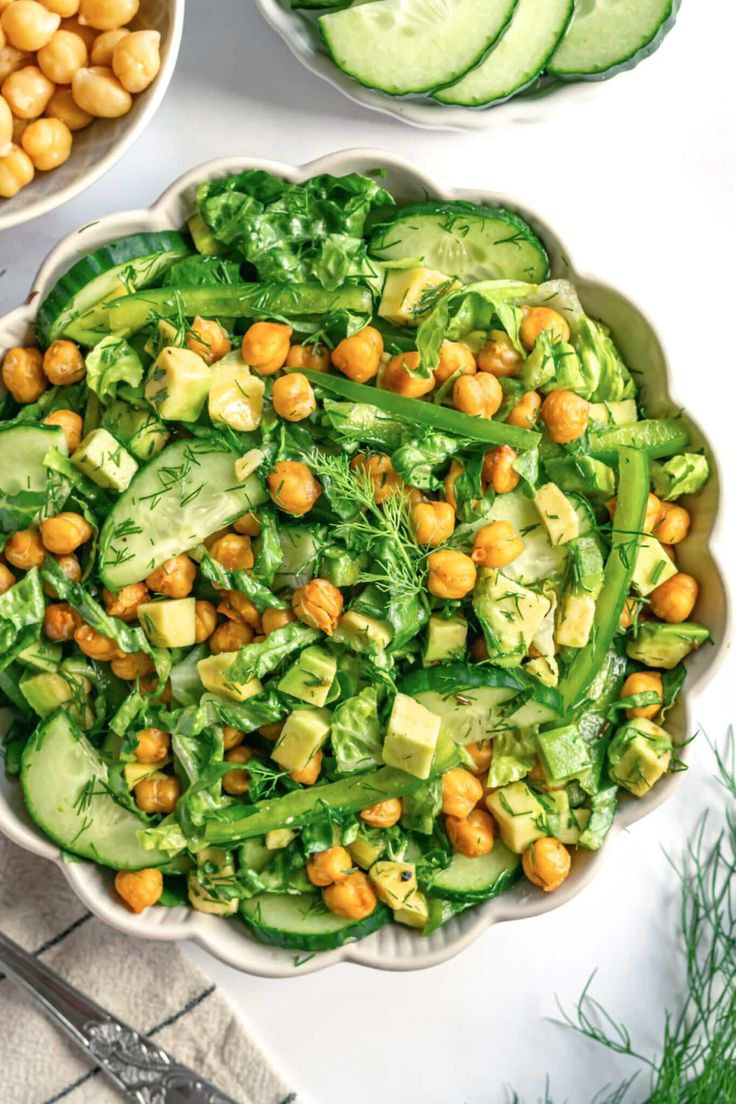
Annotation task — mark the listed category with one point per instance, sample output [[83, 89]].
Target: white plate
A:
[[97, 148], [394, 948]]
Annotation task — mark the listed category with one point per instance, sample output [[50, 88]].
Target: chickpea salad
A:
[[339, 578]]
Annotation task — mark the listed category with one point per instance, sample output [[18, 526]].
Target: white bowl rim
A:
[[154, 97], [226, 942]]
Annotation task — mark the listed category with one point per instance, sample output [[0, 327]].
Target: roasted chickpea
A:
[[266, 347], [652, 514], [352, 897], [132, 665], [157, 795], [107, 15], [231, 737], [11, 60], [150, 685], [674, 600], [308, 775], [384, 814], [397, 377], [538, 319], [318, 604], [25, 549], [23, 376], [125, 603], [95, 645], [456, 470], [524, 415], [16, 170], [455, 356], [62, 56], [451, 574], [632, 609], [292, 487], [63, 363], [60, 622], [480, 395], [98, 91], [28, 25], [208, 340], [234, 552], [644, 682], [152, 745], [359, 357], [237, 782], [546, 863], [139, 888], [381, 473], [433, 522], [64, 8], [566, 416], [205, 621], [497, 545], [274, 619], [6, 124], [229, 637], [136, 60], [27, 92], [174, 578], [62, 106], [71, 567], [293, 397], [7, 579], [326, 867], [65, 533], [248, 525], [498, 469], [461, 792], [471, 835], [314, 357], [271, 731], [70, 423], [89, 34], [500, 357], [103, 46], [481, 753], [673, 525], [239, 608]]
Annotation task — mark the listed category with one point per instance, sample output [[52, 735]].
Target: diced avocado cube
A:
[[394, 882], [279, 838], [520, 816], [338, 566], [178, 384], [653, 566], [639, 755], [446, 639], [404, 291], [606, 415], [545, 669], [302, 736], [558, 514], [41, 655], [170, 623], [236, 394], [255, 855], [588, 566], [563, 753], [48, 690], [299, 549], [365, 852], [143, 434], [136, 772], [411, 737], [576, 621], [660, 645], [363, 633], [311, 677], [103, 459], [212, 672], [204, 240], [414, 912], [565, 824], [581, 474], [511, 615]]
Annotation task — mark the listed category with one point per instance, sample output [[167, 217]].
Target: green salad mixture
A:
[[339, 574]]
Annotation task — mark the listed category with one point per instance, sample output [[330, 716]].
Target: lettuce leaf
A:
[[21, 607], [356, 733], [686, 473], [112, 361], [258, 660]]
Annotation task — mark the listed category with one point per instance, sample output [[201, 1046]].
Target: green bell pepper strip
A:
[[656, 437], [349, 795], [130, 313], [425, 414], [633, 491]]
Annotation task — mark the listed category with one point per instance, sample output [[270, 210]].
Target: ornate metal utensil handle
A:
[[142, 1070]]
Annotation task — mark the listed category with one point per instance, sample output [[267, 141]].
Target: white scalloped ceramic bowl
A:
[[392, 948], [97, 148]]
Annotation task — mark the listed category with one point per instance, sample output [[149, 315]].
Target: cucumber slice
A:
[[608, 35], [478, 879], [185, 493], [23, 478], [463, 240], [119, 268], [403, 46], [517, 59], [302, 923], [64, 782]]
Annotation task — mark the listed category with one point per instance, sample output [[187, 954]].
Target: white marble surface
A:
[[639, 181]]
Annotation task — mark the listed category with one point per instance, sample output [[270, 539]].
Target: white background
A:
[[639, 181]]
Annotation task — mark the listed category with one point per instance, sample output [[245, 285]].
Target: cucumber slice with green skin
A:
[[180, 497], [406, 46], [23, 478], [478, 879], [301, 922], [64, 782], [464, 240], [606, 36], [120, 267], [517, 59]]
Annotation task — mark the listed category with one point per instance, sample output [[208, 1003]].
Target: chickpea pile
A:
[[64, 63]]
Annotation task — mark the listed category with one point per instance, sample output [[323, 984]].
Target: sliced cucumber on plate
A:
[[607, 35], [463, 240], [478, 879], [301, 922]]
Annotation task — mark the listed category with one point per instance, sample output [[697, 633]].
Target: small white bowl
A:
[[393, 947], [99, 146]]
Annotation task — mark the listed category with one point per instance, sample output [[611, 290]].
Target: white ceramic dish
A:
[[392, 947], [97, 148], [306, 45]]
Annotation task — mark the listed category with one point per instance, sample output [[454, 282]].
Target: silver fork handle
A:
[[139, 1068]]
